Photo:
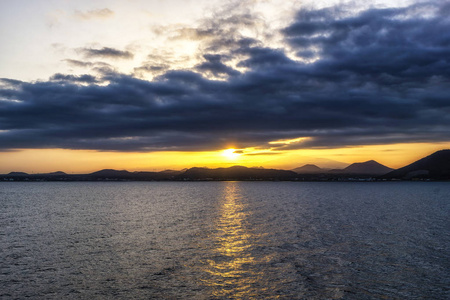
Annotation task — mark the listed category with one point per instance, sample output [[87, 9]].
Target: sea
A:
[[224, 240]]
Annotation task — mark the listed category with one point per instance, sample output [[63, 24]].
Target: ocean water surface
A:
[[224, 240]]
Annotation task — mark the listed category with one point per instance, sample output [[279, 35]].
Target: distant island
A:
[[433, 167]]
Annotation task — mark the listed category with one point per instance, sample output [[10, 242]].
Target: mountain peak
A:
[[371, 167], [308, 169]]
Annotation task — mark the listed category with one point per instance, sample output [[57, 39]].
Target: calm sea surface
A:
[[224, 240]]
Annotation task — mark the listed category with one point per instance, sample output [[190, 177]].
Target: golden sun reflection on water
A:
[[233, 272]]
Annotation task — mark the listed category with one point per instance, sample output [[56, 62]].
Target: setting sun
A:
[[231, 154]]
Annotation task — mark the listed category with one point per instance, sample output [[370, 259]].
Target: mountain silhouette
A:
[[126, 175], [110, 173], [17, 174], [434, 166], [236, 173], [370, 167], [308, 169], [57, 173]]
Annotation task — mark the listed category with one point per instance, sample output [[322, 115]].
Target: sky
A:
[[153, 85]]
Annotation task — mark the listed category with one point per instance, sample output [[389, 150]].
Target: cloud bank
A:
[[375, 76]]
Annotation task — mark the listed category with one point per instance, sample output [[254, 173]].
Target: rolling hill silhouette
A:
[[110, 173], [237, 173], [308, 169], [17, 174]]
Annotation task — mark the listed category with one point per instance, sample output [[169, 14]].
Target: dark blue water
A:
[[224, 240]]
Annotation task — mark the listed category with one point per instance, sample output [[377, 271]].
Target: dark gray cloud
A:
[[72, 78], [213, 65], [106, 52], [151, 68], [379, 76]]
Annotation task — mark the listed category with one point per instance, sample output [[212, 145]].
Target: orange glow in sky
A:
[[84, 161]]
